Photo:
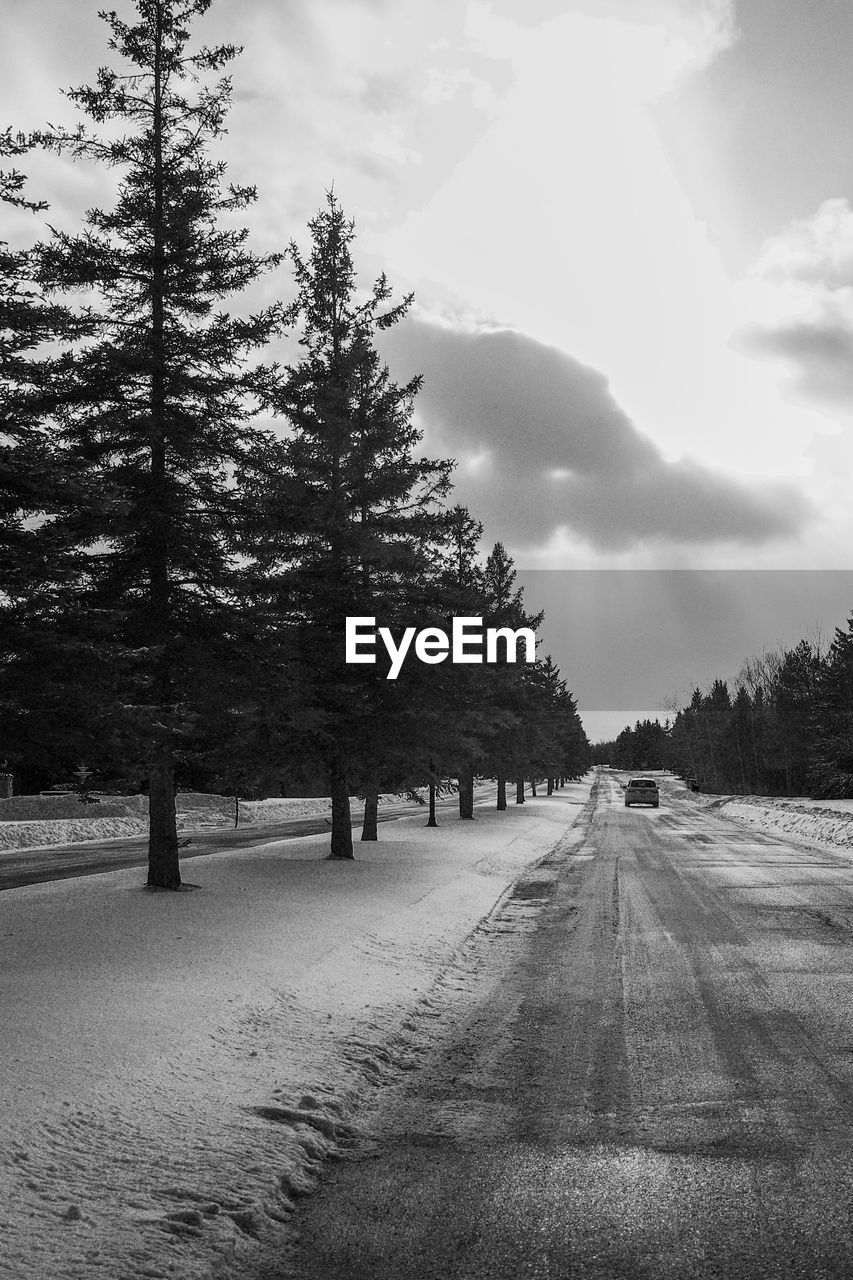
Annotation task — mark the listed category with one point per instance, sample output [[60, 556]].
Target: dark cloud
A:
[[819, 354], [543, 444], [815, 344]]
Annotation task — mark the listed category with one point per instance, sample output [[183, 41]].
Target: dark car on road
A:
[[642, 791]]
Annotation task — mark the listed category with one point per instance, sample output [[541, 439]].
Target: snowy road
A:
[[644, 1069]]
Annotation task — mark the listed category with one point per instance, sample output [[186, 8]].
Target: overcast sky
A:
[[628, 230]]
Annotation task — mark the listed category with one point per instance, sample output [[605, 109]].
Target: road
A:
[[91, 857], [648, 1074]]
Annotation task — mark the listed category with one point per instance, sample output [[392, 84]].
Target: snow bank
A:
[[827, 824], [51, 808], [41, 835], [176, 1066], [37, 822], [256, 812]]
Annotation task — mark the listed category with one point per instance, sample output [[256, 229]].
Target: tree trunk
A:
[[432, 822], [164, 869], [236, 811], [740, 764], [341, 822], [519, 791], [550, 786], [466, 793], [501, 794], [371, 809], [163, 860], [533, 787]]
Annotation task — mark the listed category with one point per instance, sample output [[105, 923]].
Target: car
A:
[[642, 791]]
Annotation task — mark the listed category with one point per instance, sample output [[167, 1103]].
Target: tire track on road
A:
[[639, 1080]]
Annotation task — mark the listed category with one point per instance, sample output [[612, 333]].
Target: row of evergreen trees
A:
[[786, 727], [645, 746], [188, 523]]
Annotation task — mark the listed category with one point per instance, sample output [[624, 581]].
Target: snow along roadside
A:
[[56, 820], [176, 1065], [826, 824]]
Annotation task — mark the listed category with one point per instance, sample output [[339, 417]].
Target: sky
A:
[[628, 229]]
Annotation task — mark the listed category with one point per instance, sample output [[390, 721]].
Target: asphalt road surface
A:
[[644, 1069], [91, 857]]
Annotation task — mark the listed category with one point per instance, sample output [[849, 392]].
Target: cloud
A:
[[692, 31], [819, 352], [808, 270], [325, 92], [381, 99], [814, 250], [543, 446]]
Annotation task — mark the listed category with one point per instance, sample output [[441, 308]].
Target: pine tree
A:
[[22, 326], [159, 405], [468, 718], [509, 681], [833, 763], [27, 321], [796, 693], [37, 724], [347, 516]]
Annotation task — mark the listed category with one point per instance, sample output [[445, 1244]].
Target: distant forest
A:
[[785, 727]]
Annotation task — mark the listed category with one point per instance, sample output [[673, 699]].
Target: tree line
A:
[[189, 521], [785, 727]]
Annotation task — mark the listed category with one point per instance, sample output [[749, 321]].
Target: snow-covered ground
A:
[[38, 822], [176, 1066]]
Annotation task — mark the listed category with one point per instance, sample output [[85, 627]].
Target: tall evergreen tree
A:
[[510, 683], [794, 724], [833, 752], [462, 591], [23, 324], [39, 725], [28, 321], [347, 514], [159, 404]]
